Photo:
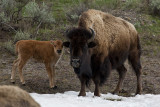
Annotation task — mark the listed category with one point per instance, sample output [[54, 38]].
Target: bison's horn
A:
[[93, 35], [65, 34]]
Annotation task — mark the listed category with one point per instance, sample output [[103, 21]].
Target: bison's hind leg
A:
[[134, 59], [14, 67], [122, 73]]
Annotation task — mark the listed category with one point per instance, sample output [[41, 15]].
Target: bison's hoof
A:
[[138, 93], [115, 92], [97, 94], [82, 94]]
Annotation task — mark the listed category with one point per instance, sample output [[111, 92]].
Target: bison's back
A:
[[25, 47], [39, 50], [11, 96], [112, 33], [43, 50]]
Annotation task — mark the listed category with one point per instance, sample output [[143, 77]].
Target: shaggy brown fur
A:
[[47, 52], [116, 41], [12, 96], [112, 33]]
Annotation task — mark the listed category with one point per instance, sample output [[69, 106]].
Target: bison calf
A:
[[11, 96], [47, 52]]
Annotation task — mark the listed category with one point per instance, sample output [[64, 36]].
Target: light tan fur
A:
[[42, 51], [12, 96], [112, 33]]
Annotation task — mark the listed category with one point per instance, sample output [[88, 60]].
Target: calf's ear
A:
[[52, 42], [66, 44], [91, 44]]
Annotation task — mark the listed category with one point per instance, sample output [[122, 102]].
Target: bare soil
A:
[[37, 79]]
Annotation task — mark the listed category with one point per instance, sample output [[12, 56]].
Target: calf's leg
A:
[[23, 60], [14, 67], [54, 77], [50, 74], [20, 67]]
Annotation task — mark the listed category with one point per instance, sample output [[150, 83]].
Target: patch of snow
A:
[[71, 99]]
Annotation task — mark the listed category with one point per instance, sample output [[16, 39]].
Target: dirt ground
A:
[[37, 79]]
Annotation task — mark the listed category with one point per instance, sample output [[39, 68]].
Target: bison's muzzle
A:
[[75, 63]]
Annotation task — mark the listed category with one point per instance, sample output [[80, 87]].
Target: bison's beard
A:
[[85, 71]]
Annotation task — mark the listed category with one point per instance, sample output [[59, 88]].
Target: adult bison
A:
[[100, 43]]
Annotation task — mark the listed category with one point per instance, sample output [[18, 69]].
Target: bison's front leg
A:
[[83, 86], [96, 82]]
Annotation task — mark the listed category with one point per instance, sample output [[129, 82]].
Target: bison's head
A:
[[80, 41]]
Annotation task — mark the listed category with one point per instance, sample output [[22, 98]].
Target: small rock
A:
[[153, 21], [142, 23], [127, 18], [4, 63]]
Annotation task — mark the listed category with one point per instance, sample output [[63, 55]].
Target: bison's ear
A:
[[91, 44], [66, 44]]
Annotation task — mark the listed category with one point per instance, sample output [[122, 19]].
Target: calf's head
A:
[[58, 46], [80, 41]]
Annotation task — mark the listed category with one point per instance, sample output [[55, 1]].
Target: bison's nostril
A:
[[59, 51], [75, 63]]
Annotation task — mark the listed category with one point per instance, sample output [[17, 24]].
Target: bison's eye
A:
[[91, 44]]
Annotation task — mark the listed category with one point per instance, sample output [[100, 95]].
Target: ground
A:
[[37, 79]]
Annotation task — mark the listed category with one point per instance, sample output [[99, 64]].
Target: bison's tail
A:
[[138, 45]]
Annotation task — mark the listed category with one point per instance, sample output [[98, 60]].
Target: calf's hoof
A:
[[24, 84], [12, 81], [55, 87]]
